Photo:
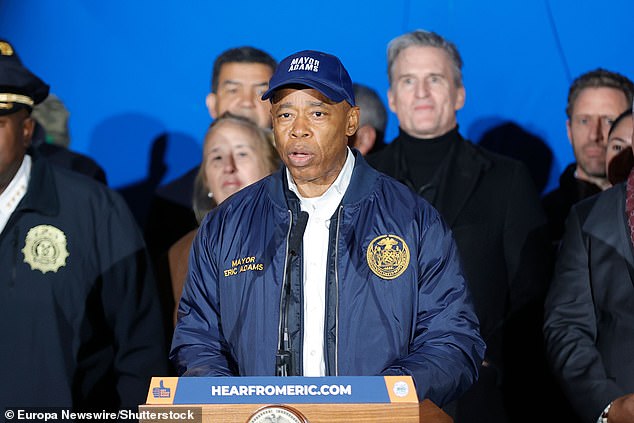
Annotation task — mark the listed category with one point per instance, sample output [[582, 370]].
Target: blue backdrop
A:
[[136, 72]]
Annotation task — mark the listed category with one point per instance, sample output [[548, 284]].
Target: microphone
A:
[[284, 365]]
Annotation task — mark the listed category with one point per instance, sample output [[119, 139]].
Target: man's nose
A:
[[421, 89], [300, 128], [248, 98], [596, 130], [603, 130]]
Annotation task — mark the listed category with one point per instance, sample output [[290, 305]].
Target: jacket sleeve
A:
[[570, 327], [198, 346], [446, 349], [130, 304]]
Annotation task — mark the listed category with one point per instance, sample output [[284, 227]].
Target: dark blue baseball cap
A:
[[321, 71]]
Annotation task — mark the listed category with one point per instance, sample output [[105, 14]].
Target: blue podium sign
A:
[[288, 390]]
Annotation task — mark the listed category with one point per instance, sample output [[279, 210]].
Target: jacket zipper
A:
[[288, 236]]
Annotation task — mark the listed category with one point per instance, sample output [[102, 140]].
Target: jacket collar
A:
[[41, 194], [361, 185], [609, 207], [363, 181], [466, 165], [573, 188]]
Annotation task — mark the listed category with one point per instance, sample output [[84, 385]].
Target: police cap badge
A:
[[19, 88]]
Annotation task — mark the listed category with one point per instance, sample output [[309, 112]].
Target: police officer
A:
[[79, 316]]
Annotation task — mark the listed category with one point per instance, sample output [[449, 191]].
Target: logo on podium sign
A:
[[277, 414], [161, 391], [400, 389]]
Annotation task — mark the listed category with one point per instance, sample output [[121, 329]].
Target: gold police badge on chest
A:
[[388, 256], [45, 248]]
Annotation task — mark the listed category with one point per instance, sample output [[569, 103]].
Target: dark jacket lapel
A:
[[466, 168], [608, 209]]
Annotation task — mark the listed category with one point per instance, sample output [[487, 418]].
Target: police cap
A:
[[19, 88]]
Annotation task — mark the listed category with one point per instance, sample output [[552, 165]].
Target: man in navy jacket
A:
[[326, 267]]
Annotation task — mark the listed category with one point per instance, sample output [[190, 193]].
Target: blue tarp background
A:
[[136, 72]]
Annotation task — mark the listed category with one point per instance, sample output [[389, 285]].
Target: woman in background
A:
[[618, 158], [236, 153]]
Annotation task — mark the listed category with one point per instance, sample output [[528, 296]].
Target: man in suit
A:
[[589, 324], [493, 209]]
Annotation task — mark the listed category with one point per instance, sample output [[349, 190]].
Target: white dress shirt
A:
[[320, 210], [12, 195]]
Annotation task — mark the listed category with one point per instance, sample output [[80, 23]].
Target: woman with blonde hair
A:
[[236, 153]]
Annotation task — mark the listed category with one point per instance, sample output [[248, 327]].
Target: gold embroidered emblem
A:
[[388, 256], [45, 248], [6, 49], [244, 264]]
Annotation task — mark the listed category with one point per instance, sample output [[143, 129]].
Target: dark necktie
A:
[[629, 204]]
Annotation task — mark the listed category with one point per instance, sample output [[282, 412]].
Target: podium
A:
[[293, 399]]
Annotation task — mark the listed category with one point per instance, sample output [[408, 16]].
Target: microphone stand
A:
[[284, 363]]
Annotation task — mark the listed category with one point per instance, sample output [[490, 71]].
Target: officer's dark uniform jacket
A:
[[79, 315], [388, 310]]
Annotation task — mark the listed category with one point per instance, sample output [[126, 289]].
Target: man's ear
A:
[[28, 126], [212, 103], [364, 141], [353, 121], [391, 101], [569, 131], [461, 96]]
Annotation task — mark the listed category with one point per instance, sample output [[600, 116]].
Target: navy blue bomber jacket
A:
[[397, 301]]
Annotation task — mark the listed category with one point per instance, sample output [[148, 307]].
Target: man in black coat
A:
[[595, 99], [493, 209]]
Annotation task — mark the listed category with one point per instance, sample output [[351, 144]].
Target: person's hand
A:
[[622, 410]]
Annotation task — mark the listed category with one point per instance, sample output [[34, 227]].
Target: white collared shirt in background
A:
[[315, 257]]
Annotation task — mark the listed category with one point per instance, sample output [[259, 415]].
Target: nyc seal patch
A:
[[45, 248], [388, 256]]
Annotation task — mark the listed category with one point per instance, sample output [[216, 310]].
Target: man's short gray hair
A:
[[422, 38]]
